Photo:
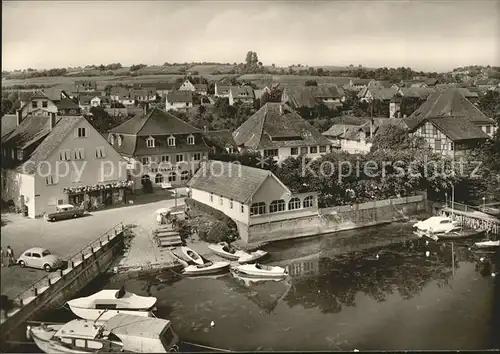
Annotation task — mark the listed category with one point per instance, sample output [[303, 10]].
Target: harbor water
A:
[[377, 288]]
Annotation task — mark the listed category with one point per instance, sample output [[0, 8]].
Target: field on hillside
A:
[[292, 80], [206, 69]]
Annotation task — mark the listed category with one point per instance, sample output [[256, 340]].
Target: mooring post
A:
[[83, 257], [49, 281], [36, 291], [61, 272], [100, 243], [20, 302], [72, 264], [92, 249]]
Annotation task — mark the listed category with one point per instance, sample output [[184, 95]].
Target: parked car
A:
[[65, 211], [40, 258]]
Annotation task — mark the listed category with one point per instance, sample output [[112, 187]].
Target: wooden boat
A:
[[206, 269], [224, 250], [122, 333], [227, 251], [107, 303], [487, 244], [261, 271], [192, 255]]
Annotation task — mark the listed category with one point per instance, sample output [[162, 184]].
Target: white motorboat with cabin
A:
[[105, 304], [437, 224], [206, 268], [229, 252], [261, 271], [192, 255], [122, 333]]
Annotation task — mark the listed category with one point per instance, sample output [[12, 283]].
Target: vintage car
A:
[[40, 258], [65, 211]]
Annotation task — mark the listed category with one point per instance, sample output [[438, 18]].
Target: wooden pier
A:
[[469, 216]]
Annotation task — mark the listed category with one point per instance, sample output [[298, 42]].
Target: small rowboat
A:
[[261, 271], [226, 251], [192, 255], [206, 269], [107, 303], [487, 244]]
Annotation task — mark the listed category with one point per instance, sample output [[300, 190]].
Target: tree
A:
[[489, 104], [391, 136]]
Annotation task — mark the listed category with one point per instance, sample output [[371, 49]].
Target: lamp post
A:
[[446, 199], [484, 204]]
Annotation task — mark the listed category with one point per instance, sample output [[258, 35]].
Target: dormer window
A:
[[112, 139], [190, 140], [150, 142], [119, 140], [171, 141]]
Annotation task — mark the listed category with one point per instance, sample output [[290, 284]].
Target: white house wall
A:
[[17, 186], [234, 213]]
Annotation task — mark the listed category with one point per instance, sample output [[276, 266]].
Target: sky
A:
[[425, 35]]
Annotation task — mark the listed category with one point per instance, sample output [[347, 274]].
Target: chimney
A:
[[19, 115], [52, 120]]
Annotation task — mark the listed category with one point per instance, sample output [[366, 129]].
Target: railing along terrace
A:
[[72, 261]]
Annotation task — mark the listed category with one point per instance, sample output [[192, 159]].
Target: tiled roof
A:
[[66, 103], [180, 96], [25, 95], [338, 129], [383, 94], [63, 127], [416, 92], [232, 181], [31, 129], [380, 84], [358, 82], [310, 96], [458, 128], [119, 91], [272, 127], [156, 122], [447, 103], [241, 92], [219, 138], [9, 124]]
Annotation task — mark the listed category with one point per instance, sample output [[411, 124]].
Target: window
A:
[[82, 132], [112, 139], [150, 142], [28, 254], [179, 158], [211, 197], [65, 155], [165, 158], [184, 175], [94, 345], [159, 178], [313, 149], [258, 208], [45, 253], [67, 340], [80, 343], [34, 104], [434, 130], [230, 204], [36, 255], [49, 180], [190, 140], [322, 148], [270, 152], [44, 104], [171, 141], [303, 150], [452, 146], [20, 154], [145, 160], [277, 205], [119, 140], [221, 200], [172, 177], [197, 156], [294, 151], [308, 202], [100, 153], [488, 129], [437, 144], [294, 203], [78, 154], [242, 208]]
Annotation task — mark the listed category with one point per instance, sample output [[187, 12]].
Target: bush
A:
[[219, 215], [218, 232]]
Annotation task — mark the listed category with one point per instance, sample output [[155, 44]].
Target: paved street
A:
[[67, 237]]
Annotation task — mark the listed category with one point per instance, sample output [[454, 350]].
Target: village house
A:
[[160, 148], [221, 90], [248, 195], [52, 160], [277, 131], [66, 107], [143, 95], [331, 96], [86, 86], [201, 89], [380, 84], [451, 103], [162, 89], [187, 86], [420, 93], [355, 134], [369, 94], [258, 93], [37, 103], [486, 84], [118, 92], [179, 100], [241, 94], [358, 84]]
